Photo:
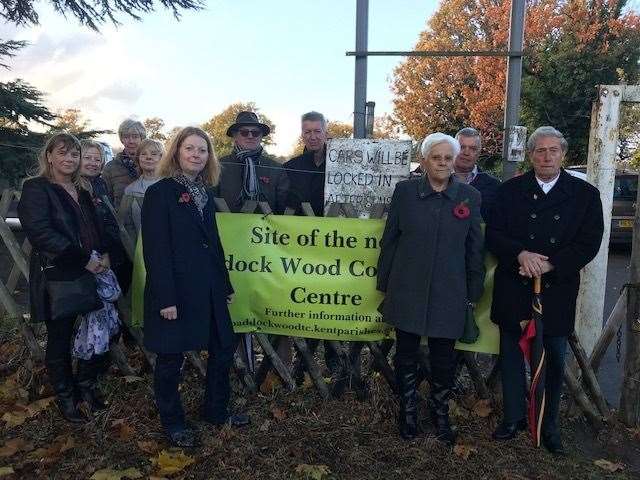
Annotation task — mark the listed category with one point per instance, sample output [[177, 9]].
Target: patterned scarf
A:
[[130, 164], [250, 184], [195, 188]]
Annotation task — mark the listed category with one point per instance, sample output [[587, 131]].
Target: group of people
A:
[[544, 223]]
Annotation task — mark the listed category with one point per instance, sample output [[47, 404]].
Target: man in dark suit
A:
[[546, 223], [467, 171], [248, 173]]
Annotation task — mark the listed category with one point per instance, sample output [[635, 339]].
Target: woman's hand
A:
[[169, 313], [230, 298], [94, 266]]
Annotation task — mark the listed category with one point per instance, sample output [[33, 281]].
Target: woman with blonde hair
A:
[[60, 221], [147, 158], [187, 287]]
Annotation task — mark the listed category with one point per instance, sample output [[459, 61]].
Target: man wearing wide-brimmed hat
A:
[[248, 173]]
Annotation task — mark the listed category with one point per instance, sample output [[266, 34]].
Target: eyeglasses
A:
[[250, 133]]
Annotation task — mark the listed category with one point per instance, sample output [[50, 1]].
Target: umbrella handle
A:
[[537, 285]]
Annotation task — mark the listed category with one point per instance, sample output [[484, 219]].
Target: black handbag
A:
[[70, 297], [471, 331]]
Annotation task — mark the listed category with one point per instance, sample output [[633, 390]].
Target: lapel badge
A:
[[535, 196]]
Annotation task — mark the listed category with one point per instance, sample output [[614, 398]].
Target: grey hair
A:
[[132, 126], [434, 139], [470, 133], [314, 116], [546, 131]]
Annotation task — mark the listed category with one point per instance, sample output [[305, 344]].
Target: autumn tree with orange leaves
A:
[[570, 46]]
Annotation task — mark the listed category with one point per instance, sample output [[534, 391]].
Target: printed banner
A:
[[310, 277]]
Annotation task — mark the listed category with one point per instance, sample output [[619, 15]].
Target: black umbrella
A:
[[532, 347]]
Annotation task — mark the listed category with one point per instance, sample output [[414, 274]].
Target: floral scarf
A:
[[196, 189]]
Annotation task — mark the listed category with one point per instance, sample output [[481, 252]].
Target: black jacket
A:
[[566, 225], [487, 185], [306, 183], [272, 182], [185, 267], [51, 227]]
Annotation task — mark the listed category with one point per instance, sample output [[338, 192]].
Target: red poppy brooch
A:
[[265, 180], [184, 198], [461, 210]]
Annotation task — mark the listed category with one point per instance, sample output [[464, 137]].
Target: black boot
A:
[[61, 377], [87, 382], [407, 386], [439, 411]]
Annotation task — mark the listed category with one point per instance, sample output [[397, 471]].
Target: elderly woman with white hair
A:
[[432, 271]]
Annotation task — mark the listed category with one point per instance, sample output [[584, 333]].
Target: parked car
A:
[[625, 190]]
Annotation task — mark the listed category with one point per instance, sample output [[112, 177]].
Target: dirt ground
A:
[[293, 435]]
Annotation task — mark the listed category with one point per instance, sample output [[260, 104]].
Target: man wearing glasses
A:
[[248, 173]]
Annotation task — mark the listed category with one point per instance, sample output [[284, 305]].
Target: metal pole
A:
[[514, 80], [360, 87], [371, 106]]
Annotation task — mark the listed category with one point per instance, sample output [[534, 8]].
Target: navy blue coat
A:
[[185, 267], [566, 225], [487, 185]]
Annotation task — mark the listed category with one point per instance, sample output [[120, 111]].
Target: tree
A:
[[20, 106], [154, 127], [218, 125], [92, 14], [571, 46], [70, 120]]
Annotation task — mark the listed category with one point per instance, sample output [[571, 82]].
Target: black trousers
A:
[[166, 381], [514, 385], [59, 335]]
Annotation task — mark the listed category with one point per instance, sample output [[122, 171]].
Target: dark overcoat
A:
[[566, 225], [185, 267], [431, 262], [51, 226], [272, 182]]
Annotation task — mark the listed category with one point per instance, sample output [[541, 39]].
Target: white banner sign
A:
[[364, 172]]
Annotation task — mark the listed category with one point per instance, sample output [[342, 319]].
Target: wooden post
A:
[[614, 321], [581, 399], [603, 140], [630, 396], [588, 375]]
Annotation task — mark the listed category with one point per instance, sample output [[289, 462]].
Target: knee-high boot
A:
[[407, 386], [87, 381], [61, 377]]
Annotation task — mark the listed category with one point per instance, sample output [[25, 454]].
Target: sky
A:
[[287, 56]]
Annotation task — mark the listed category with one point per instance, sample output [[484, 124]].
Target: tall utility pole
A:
[[513, 89], [360, 87]]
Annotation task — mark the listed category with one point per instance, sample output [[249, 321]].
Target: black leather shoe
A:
[[445, 433], [553, 444], [186, 438], [507, 431]]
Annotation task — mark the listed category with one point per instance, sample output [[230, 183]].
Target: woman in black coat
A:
[[431, 269], [60, 221], [187, 287]]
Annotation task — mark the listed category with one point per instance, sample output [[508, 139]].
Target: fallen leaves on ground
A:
[[110, 474], [171, 461], [148, 446], [312, 472], [4, 471], [20, 413], [483, 408], [15, 445], [271, 383], [609, 466], [464, 451], [53, 452], [278, 413], [122, 430]]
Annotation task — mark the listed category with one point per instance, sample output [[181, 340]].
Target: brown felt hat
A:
[[248, 119]]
